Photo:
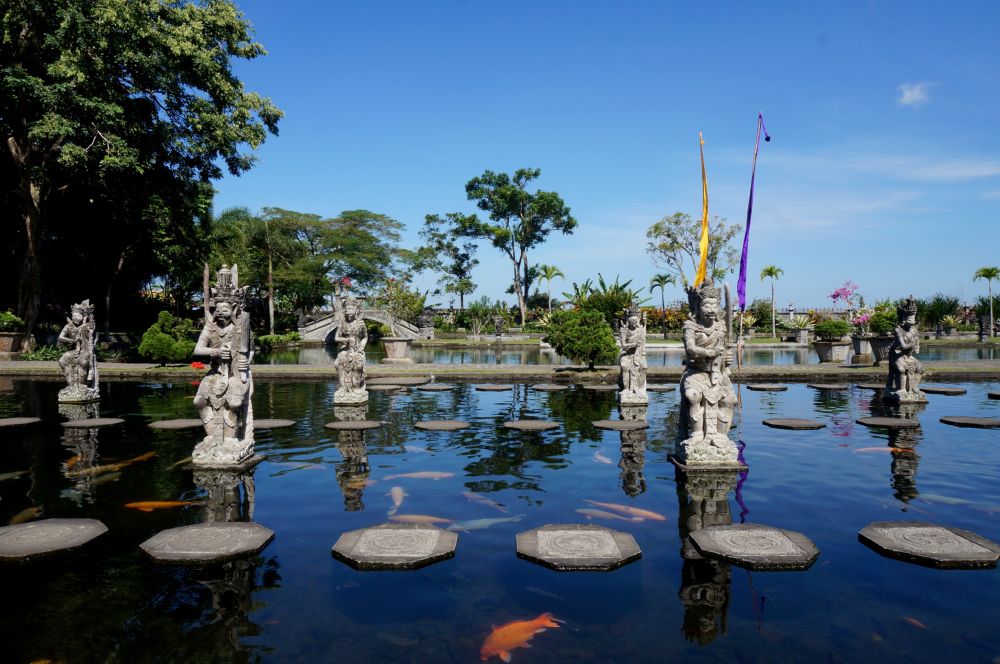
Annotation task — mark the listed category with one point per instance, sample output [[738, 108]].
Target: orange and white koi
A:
[[397, 494], [421, 475], [473, 497], [419, 518], [150, 505], [26, 515], [601, 514], [600, 458], [111, 467], [628, 510], [514, 634]]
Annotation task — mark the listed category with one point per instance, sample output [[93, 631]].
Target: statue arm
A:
[[66, 336], [204, 346], [691, 346]]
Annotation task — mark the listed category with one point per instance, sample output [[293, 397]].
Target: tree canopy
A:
[[448, 255], [673, 243]]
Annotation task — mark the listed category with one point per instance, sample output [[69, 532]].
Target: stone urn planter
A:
[[862, 349], [880, 348], [802, 337], [397, 350], [832, 351], [10, 342]]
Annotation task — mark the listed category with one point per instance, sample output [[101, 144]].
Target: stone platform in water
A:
[[353, 425], [272, 424], [831, 387], [888, 422], [621, 425], [972, 422], [601, 388], [793, 423], [386, 387], [207, 543], [870, 386], [442, 425], [93, 422], [406, 381], [395, 546], [549, 387], [767, 387], [176, 424], [943, 389], [756, 547], [435, 387], [27, 541], [493, 388], [18, 421], [930, 545], [531, 425], [660, 387], [577, 547]]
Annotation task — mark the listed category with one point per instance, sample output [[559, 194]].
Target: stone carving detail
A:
[[905, 370], [922, 540], [577, 544], [224, 398], [78, 363], [632, 358], [352, 337], [707, 407], [397, 543], [755, 542]]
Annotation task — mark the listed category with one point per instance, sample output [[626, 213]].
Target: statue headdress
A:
[[907, 308], [697, 294], [227, 288], [85, 308]]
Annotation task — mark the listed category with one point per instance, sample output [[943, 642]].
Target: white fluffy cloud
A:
[[913, 94]]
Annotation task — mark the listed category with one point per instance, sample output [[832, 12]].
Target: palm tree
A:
[[773, 272], [660, 281], [548, 273], [989, 274]]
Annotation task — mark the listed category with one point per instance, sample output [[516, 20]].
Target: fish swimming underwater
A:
[[482, 524], [601, 514], [111, 467], [397, 495], [12, 476], [419, 518], [150, 505], [514, 634], [421, 475], [473, 497], [628, 510], [600, 458], [26, 515]]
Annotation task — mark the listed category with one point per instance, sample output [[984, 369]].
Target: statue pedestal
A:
[[633, 398], [227, 453], [349, 397], [711, 452], [79, 394], [902, 396]]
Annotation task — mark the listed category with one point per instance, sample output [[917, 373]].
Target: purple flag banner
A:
[[741, 285]]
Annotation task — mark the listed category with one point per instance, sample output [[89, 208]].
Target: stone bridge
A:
[[324, 328]]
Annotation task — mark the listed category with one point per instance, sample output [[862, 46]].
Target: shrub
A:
[[43, 353], [167, 340], [883, 322], [267, 341], [762, 310], [583, 336], [10, 323], [832, 330], [377, 329]]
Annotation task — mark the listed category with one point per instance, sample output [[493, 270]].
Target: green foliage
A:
[[611, 300], [377, 329], [448, 255], [401, 301], [832, 329], [43, 353], [10, 323], [930, 312], [665, 319], [583, 336], [761, 309], [268, 341], [883, 321], [674, 243], [168, 339], [477, 315]]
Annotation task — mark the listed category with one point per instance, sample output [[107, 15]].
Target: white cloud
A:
[[992, 194], [913, 94]]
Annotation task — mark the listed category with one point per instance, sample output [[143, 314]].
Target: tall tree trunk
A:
[[461, 301], [520, 296], [773, 330], [107, 294], [550, 294], [989, 286], [663, 312], [270, 293], [29, 292]]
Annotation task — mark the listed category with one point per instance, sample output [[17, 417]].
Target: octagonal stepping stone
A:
[[870, 386], [353, 425], [18, 421], [601, 388], [405, 381], [549, 387], [994, 395], [272, 423], [943, 389], [493, 388], [756, 547], [93, 422], [27, 541], [930, 545], [660, 387], [435, 387], [621, 425], [442, 425], [176, 424], [206, 543], [395, 546], [577, 547], [767, 387], [531, 425], [888, 422], [384, 387], [793, 423], [972, 422], [831, 387]]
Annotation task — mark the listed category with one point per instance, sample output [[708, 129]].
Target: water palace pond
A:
[[107, 602]]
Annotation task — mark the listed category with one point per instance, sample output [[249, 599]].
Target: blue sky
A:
[[884, 166]]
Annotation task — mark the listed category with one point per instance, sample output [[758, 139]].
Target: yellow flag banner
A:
[[703, 262]]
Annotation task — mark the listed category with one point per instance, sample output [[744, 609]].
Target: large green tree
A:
[[519, 220], [989, 273], [673, 243], [660, 281], [100, 100], [771, 272], [449, 255]]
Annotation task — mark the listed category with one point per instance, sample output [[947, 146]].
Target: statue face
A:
[[710, 309], [78, 317], [633, 322], [223, 313], [910, 320], [350, 312]]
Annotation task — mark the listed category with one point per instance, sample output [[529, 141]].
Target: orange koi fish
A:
[[150, 505], [26, 515], [359, 483], [893, 450], [916, 623], [422, 475], [514, 634], [419, 518], [601, 514], [628, 510], [72, 462], [111, 467], [473, 497]]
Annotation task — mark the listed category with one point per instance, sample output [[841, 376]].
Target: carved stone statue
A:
[[905, 371], [707, 407], [352, 337], [225, 393], [78, 363], [632, 359]]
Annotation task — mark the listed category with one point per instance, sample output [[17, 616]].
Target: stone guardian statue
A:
[[78, 363], [225, 393], [632, 359], [351, 337], [905, 370]]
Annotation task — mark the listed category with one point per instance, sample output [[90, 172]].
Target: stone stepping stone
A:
[[531, 425], [18, 421], [930, 545], [601, 388], [549, 387], [621, 425], [943, 389], [494, 388], [831, 387], [176, 424], [435, 387], [206, 543], [870, 386], [577, 547], [353, 425], [27, 541], [756, 547], [767, 387], [660, 388], [384, 387], [972, 422], [406, 381], [442, 425], [793, 423], [395, 546], [93, 422], [888, 422], [272, 424], [994, 395]]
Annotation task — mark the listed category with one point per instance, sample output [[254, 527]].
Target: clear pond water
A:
[[108, 603]]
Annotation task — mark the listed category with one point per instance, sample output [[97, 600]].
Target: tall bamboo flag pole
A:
[[703, 262], [741, 285]]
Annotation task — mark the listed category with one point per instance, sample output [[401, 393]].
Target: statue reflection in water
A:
[[905, 459], [633, 452], [81, 443], [354, 470]]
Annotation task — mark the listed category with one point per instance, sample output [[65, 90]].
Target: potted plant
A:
[[11, 332], [859, 337], [830, 343], [881, 325], [749, 320], [801, 324], [949, 323]]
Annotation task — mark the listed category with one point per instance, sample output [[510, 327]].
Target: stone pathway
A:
[[767, 387], [176, 424], [793, 423], [395, 546], [531, 425], [93, 422], [888, 422], [972, 422], [756, 547], [272, 424], [205, 543], [494, 388], [549, 387], [831, 387], [943, 389], [660, 387], [601, 388], [577, 547], [353, 425], [27, 541], [407, 381], [621, 425], [930, 545], [442, 425], [18, 421], [435, 387]]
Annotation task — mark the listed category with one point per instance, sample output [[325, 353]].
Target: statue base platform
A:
[[904, 397], [231, 452], [236, 469], [711, 451], [633, 398], [79, 394], [706, 467], [350, 397]]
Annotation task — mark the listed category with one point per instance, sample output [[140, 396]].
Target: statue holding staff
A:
[[78, 363]]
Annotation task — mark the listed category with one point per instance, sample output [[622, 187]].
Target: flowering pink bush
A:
[[845, 293]]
